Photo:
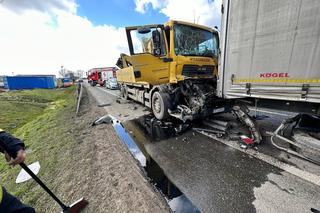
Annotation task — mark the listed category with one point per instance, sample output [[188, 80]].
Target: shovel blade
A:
[[77, 206], [23, 176]]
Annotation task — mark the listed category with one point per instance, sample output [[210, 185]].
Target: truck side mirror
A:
[[156, 38]]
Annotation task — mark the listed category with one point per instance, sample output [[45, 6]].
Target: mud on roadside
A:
[[101, 170]]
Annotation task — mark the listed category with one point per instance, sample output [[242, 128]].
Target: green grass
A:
[[43, 120], [19, 107]]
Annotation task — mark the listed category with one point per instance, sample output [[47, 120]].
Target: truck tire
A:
[[160, 104], [124, 92]]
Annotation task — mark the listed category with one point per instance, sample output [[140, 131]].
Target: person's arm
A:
[[12, 147]]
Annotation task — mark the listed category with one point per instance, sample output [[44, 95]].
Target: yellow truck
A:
[[172, 69]]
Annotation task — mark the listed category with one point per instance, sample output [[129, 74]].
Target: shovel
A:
[[73, 208]]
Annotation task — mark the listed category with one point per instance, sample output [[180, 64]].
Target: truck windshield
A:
[[192, 41]]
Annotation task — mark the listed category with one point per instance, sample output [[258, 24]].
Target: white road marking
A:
[[305, 175]]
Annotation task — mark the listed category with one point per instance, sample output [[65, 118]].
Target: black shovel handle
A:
[[26, 168]]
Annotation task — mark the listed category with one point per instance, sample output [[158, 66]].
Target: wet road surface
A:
[[218, 178]]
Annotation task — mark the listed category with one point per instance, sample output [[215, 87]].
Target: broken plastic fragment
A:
[[246, 140]]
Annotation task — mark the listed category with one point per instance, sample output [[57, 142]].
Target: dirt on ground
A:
[[101, 170]]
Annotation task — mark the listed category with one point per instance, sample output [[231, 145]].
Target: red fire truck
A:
[[100, 75]]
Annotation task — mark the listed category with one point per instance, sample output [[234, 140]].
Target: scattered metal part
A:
[[301, 144], [216, 126], [268, 133], [181, 128], [243, 146], [122, 101], [220, 122], [242, 113], [209, 130], [106, 119], [182, 112], [234, 137], [105, 104]]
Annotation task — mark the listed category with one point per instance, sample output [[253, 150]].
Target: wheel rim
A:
[[157, 105]]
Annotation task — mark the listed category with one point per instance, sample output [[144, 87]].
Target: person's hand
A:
[[21, 156]]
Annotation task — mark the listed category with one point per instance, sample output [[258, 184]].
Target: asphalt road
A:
[[217, 176]]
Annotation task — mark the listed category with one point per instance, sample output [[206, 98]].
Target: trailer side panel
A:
[[270, 49]]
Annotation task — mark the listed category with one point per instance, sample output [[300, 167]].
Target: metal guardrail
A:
[[79, 96]]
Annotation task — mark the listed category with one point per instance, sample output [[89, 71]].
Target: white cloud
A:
[[142, 5], [46, 6], [39, 42], [205, 12]]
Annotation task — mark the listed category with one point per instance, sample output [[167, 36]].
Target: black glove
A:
[[10, 144]]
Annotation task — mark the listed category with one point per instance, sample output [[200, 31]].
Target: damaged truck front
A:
[[172, 69]]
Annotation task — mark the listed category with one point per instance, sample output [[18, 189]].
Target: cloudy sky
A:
[[38, 37]]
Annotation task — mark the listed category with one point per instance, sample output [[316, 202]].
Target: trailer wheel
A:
[[160, 105]]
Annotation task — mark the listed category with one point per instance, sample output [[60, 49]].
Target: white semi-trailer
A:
[[270, 51]]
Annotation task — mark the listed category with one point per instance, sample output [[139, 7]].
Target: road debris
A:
[[215, 125], [296, 136], [242, 114], [246, 140], [106, 119], [105, 104], [122, 101]]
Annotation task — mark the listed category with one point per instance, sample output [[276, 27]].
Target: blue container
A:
[[66, 80], [29, 82]]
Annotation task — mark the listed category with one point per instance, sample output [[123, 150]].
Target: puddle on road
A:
[[177, 201]]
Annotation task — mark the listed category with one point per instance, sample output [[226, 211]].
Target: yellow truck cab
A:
[[172, 69]]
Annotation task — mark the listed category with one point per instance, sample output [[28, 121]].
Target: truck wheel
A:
[[124, 92], [160, 105]]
